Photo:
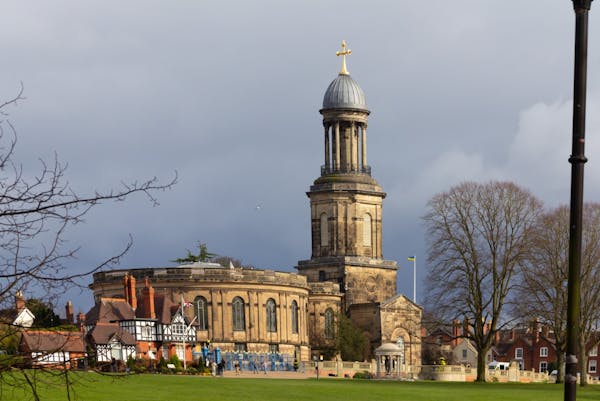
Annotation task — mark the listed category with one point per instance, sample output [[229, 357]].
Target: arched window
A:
[[324, 230], [329, 323], [239, 317], [201, 312], [271, 316], [367, 230], [294, 317]]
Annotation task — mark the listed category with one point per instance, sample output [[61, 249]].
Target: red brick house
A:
[[532, 347]]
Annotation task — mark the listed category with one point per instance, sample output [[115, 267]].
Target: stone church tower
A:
[[346, 203]]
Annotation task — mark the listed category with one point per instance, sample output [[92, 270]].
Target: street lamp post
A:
[[577, 161]]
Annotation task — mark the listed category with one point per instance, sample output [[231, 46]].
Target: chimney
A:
[[466, 328], [69, 312], [81, 320], [19, 300], [536, 331], [125, 287], [129, 284], [455, 332], [148, 300], [545, 331], [497, 337]]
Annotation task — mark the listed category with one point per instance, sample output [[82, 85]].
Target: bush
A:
[[364, 375], [175, 361], [130, 364]]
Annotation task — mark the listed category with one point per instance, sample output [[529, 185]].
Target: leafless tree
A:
[[477, 236], [35, 213], [543, 289]]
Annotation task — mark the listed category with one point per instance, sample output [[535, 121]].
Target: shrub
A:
[[363, 375]]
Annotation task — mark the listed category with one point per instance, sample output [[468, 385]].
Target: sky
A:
[[227, 94]]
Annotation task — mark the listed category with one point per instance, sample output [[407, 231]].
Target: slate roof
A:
[[102, 333], [52, 341], [109, 310]]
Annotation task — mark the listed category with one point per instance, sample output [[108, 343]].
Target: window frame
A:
[[518, 351], [294, 316], [271, 315], [328, 327], [593, 365], [238, 314], [201, 313]]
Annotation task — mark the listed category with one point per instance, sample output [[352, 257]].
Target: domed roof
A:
[[344, 93]]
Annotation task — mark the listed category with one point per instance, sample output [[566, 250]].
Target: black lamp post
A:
[[577, 161]]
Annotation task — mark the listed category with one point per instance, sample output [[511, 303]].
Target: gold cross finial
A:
[[344, 53]]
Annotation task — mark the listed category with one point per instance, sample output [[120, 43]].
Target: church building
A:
[[254, 311]]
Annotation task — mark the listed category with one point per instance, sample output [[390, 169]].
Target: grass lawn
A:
[[91, 387]]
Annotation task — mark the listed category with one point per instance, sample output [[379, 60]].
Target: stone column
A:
[[353, 147], [249, 324], [337, 146], [327, 161], [223, 306], [364, 146], [213, 316]]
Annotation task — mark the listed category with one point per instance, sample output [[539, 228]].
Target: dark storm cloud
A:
[[227, 94]]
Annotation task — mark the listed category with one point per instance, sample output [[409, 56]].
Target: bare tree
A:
[[542, 292], [477, 235], [35, 213]]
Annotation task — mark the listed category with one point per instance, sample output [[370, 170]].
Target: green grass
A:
[[91, 387]]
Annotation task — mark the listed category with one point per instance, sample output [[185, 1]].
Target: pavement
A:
[[271, 375]]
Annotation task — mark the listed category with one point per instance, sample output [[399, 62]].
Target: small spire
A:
[[343, 53]]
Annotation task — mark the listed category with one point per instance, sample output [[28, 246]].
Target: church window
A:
[[294, 317], [329, 323], [239, 317], [201, 312], [324, 230], [271, 316], [367, 229]]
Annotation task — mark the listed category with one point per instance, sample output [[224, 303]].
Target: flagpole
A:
[[414, 279], [414, 260]]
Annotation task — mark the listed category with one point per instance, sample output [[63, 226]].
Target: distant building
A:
[[294, 315], [52, 348]]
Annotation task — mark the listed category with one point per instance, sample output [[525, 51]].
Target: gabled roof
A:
[[103, 333], [24, 318], [112, 310], [109, 310], [399, 297], [52, 341], [164, 309]]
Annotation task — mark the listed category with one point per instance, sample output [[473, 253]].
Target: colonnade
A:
[[343, 147]]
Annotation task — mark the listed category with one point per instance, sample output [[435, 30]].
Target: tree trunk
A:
[[582, 365], [481, 365], [560, 369]]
